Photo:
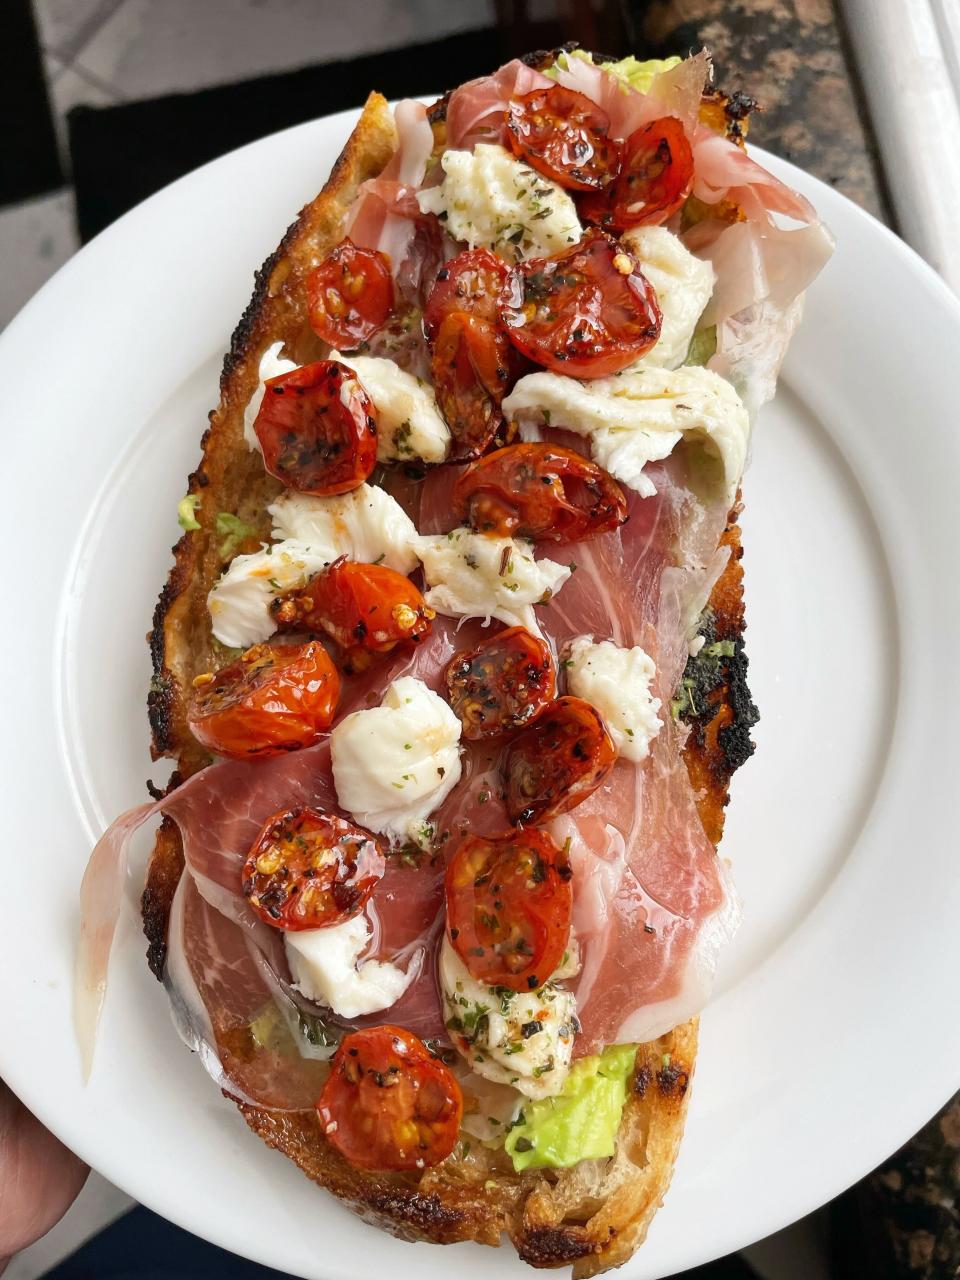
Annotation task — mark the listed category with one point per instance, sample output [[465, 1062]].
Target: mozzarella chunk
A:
[[494, 201], [683, 286], [366, 524], [239, 603], [394, 764], [474, 575], [635, 418], [326, 967], [271, 366], [409, 424], [487, 1026], [617, 682]]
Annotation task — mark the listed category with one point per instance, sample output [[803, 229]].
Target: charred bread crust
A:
[[592, 1216], [230, 476]]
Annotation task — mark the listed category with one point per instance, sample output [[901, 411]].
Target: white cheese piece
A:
[[683, 284], [325, 968], [366, 524], [474, 575], [494, 201], [570, 964], [394, 764], [635, 418], [271, 366], [409, 424], [239, 603], [487, 1026], [617, 682]]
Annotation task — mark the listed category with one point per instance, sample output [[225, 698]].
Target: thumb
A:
[[39, 1177]]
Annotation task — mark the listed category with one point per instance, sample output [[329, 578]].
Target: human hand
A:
[[39, 1177]]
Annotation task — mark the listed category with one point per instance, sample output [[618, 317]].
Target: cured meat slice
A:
[[219, 812], [386, 215], [475, 111]]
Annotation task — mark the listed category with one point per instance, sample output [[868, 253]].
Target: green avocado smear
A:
[[581, 1122], [638, 75]]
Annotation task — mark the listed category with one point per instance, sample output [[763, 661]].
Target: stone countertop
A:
[[791, 56]]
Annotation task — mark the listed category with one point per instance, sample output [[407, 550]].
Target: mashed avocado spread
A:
[[581, 1122], [639, 75]]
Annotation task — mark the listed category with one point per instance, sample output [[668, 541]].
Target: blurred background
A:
[[105, 101], [111, 99]]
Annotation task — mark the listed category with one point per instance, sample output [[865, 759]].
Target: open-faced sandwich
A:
[[451, 661]]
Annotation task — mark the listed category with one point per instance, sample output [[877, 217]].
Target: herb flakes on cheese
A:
[[489, 199], [239, 602], [394, 764], [521, 1038], [366, 524], [639, 417], [409, 424], [617, 681], [475, 575]]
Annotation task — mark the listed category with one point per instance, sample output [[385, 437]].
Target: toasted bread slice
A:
[[593, 1215]]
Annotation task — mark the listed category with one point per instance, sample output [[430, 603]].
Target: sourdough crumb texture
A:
[[592, 1216]]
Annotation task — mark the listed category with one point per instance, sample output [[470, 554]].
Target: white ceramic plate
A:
[[834, 1033]]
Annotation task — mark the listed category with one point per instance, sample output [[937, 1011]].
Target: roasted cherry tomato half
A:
[[561, 759], [654, 181], [308, 870], [470, 368], [367, 609], [509, 901], [350, 295], [563, 135], [502, 685], [470, 282], [539, 491], [317, 428], [274, 698], [388, 1103], [587, 312]]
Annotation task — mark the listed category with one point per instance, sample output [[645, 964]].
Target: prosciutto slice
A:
[[762, 270], [212, 973], [652, 905], [386, 215], [676, 92], [219, 812], [475, 111]]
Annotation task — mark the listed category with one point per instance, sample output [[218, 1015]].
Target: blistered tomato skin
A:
[[471, 283], [366, 609], [471, 371], [509, 906], [274, 698], [310, 870], [539, 491], [388, 1103], [564, 135], [587, 312], [502, 685], [317, 428], [654, 181], [350, 295], [557, 762]]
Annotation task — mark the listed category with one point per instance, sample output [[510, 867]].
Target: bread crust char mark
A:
[[595, 1215]]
